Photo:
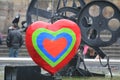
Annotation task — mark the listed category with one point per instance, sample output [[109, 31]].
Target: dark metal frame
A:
[[80, 12]]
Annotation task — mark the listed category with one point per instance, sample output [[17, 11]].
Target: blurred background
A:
[[10, 8]]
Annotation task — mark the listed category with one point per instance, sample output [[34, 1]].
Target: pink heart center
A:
[[54, 47]]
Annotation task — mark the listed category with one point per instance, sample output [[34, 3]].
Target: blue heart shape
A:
[[45, 35]]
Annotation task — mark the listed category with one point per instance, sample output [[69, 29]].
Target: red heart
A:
[[58, 25], [58, 45]]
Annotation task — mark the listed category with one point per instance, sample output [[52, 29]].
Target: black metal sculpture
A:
[[94, 19], [35, 10]]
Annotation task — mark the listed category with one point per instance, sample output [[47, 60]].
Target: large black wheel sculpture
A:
[[37, 11], [99, 22]]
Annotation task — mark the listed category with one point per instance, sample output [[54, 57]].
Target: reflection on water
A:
[[71, 78], [91, 78]]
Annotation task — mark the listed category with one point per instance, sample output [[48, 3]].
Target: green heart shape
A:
[[44, 57]]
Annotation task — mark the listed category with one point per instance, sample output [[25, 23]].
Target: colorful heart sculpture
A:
[[52, 46]]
